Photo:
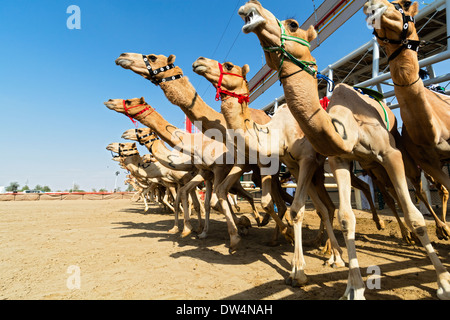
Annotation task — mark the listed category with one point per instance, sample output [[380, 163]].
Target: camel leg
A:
[[443, 192], [342, 173], [297, 211], [267, 205], [237, 187], [318, 181], [335, 250], [442, 230], [208, 194], [171, 190], [392, 161], [281, 208], [144, 196], [222, 193], [183, 193], [364, 187], [199, 208]]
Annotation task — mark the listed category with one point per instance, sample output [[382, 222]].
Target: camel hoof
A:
[[186, 233], [265, 220], [353, 294], [294, 282], [203, 235], [442, 232], [380, 224], [173, 230], [234, 243]]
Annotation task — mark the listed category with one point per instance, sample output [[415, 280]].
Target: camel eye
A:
[[152, 58], [229, 66], [406, 5], [293, 25]]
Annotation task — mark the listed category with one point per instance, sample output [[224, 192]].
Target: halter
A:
[[140, 112], [140, 139], [153, 73], [241, 97], [126, 155], [306, 66], [404, 42]]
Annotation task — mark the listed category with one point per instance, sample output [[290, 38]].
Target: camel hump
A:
[[362, 103]]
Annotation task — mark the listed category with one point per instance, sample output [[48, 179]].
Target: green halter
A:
[[304, 65]]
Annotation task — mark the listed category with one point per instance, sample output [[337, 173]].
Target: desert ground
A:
[[112, 249]]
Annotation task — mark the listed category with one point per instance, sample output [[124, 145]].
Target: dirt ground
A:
[[111, 249]]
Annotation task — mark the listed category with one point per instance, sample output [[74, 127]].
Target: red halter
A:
[[241, 97], [140, 112]]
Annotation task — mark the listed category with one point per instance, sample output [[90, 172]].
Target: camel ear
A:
[[171, 59], [311, 34], [142, 100], [245, 70], [133, 145], [413, 9]]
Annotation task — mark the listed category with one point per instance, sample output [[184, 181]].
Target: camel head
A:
[[130, 107], [113, 147], [141, 135], [387, 19], [225, 75], [272, 33], [152, 67]]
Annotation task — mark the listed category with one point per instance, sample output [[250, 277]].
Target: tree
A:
[[13, 187], [130, 188], [25, 188]]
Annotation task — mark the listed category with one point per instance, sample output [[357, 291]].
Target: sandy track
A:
[[122, 253]]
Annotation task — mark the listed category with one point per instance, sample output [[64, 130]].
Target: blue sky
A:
[[54, 127]]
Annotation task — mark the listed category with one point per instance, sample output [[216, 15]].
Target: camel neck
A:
[[167, 132], [137, 167], [183, 94], [236, 115], [415, 110], [302, 97]]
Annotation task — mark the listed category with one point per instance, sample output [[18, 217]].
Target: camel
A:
[[147, 186], [147, 183], [170, 178], [425, 113], [179, 91], [207, 164], [352, 128], [208, 157], [289, 144]]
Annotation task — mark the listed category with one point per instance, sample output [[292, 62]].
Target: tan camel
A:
[[147, 182], [425, 113], [172, 179], [209, 166], [281, 137], [352, 128], [208, 157], [161, 70], [147, 185]]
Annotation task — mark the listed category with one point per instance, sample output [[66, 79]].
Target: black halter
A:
[[404, 42], [153, 73], [121, 152], [140, 139]]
